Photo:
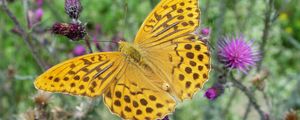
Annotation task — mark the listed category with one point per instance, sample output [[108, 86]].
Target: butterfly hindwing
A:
[[86, 75], [191, 72], [185, 64], [137, 95]]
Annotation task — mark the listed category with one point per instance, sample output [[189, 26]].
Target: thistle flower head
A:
[[73, 8], [215, 91], [205, 31], [39, 14], [211, 94], [236, 53], [73, 31], [79, 50]]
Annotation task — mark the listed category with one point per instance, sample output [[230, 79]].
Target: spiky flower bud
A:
[[237, 53], [73, 8], [38, 14], [205, 31], [73, 31], [215, 91], [79, 50]]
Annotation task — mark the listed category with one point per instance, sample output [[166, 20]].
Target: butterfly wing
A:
[[169, 19], [87, 75], [168, 43], [185, 65], [136, 95]]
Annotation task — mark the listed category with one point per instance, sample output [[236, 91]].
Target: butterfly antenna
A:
[[125, 15], [98, 41]]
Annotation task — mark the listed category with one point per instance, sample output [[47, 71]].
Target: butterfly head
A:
[[122, 45]]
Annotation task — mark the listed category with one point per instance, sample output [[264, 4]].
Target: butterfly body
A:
[[131, 52], [142, 80]]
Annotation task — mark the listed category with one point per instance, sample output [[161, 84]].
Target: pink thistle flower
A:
[[205, 31], [236, 53], [38, 14], [211, 94], [79, 50], [214, 92]]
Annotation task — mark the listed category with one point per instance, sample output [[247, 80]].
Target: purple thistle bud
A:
[[73, 8], [205, 31], [73, 31], [79, 50], [236, 53], [39, 14], [211, 94], [215, 91]]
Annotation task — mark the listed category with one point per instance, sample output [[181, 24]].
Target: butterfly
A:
[[167, 62]]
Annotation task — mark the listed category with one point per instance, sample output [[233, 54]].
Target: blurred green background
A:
[[122, 18]]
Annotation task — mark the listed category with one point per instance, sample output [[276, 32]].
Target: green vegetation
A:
[[273, 26]]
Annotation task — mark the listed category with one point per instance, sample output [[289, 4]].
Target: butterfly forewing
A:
[[169, 19], [87, 75], [167, 39]]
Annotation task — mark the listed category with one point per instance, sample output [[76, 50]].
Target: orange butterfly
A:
[[141, 80]]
